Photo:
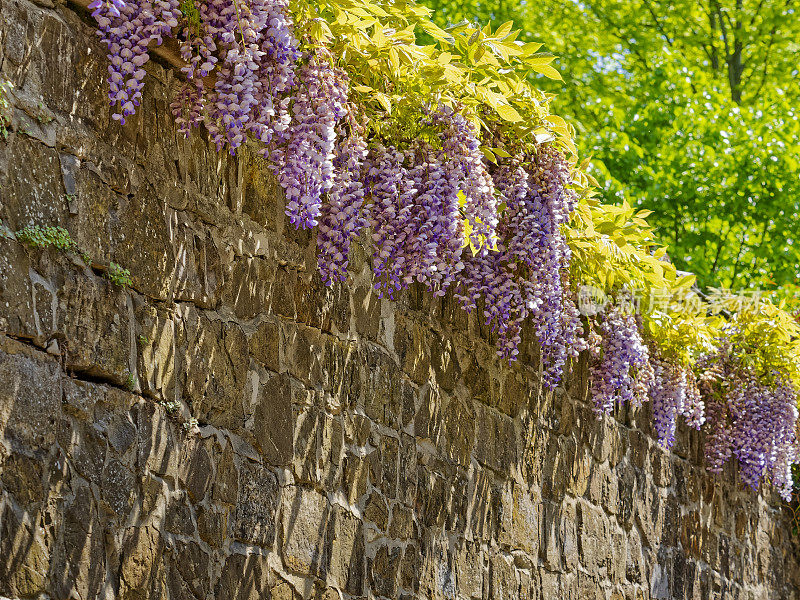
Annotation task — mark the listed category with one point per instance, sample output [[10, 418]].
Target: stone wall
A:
[[344, 446]]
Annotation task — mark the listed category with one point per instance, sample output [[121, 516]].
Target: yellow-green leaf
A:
[[509, 113]]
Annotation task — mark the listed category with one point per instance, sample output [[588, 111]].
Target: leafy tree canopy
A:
[[690, 110]]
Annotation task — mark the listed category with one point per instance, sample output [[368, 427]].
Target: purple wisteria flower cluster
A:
[[674, 392], [750, 420], [341, 217], [250, 49], [527, 276], [622, 372], [128, 28], [745, 418], [306, 160], [438, 213]]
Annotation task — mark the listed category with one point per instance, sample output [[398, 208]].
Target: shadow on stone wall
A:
[[344, 446]]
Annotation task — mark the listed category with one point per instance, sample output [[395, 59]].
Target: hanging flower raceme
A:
[[674, 392], [250, 49], [526, 276], [392, 219], [305, 163], [432, 202], [622, 374], [341, 217], [461, 153], [751, 420], [127, 28]]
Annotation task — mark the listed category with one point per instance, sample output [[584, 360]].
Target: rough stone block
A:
[[347, 553], [23, 570], [30, 396], [496, 445], [521, 520], [264, 345], [96, 324], [32, 192], [214, 367], [307, 520], [243, 578], [255, 518], [272, 421], [79, 561], [18, 316], [384, 570]]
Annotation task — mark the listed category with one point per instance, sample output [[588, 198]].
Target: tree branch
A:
[[657, 22]]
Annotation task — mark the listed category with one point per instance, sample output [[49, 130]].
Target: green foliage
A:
[[47, 236], [130, 382], [690, 111], [725, 189], [765, 338], [614, 245], [484, 72], [5, 107], [118, 275], [171, 406]]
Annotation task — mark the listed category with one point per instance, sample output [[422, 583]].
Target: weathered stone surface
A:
[[18, 316], [196, 468], [146, 250], [117, 487], [264, 345], [243, 578], [21, 476], [30, 397], [272, 421], [198, 270], [33, 194], [377, 511], [503, 578], [25, 558], [79, 562], [215, 368], [157, 447], [413, 353], [247, 287], [347, 553], [232, 428], [384, 570], [212, 526], [187, 574], [495, 447], [522, 520], [141, 569], [402, 523], [307, 521], [95, 321], [254, 520]]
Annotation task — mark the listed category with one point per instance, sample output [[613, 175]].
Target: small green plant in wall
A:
[[5, 107], [118, 275], [172, 406], [130, 381], [49, 236]]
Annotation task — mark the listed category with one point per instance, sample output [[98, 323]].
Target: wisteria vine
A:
[[439, 212]]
